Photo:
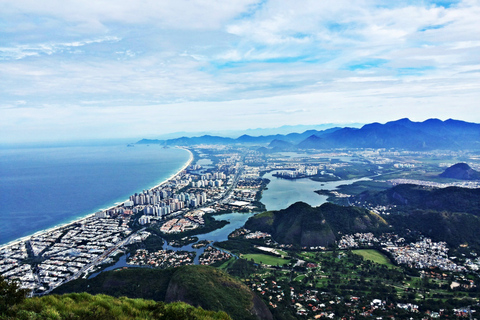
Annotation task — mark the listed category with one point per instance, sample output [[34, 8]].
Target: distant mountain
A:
[[186, 141], [402, 134], [280, 145], [206, 139], [461, 171], [260, 139], [303, 225], [293, 138], [283, 130]]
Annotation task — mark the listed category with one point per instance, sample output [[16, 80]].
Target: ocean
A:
[[44, 187]]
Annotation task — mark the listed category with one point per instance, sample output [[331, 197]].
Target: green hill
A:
[[444, 214], [408, 196], [461, 171], [303, 225], [133, 283], [201, 286], [214, 289], [85, 306], [453, 228]]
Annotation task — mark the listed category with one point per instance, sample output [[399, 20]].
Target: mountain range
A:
[[401, 134]]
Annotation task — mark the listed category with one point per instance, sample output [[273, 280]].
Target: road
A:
[[238, 173], [97, 260]]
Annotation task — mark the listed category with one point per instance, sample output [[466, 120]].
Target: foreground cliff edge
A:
[[199, 286]]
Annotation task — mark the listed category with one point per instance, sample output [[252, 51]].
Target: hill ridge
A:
[[303, 225], [402, 134]]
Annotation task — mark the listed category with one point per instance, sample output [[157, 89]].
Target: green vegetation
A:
[[210, 224], [154, 242], [85, 306], [452, 199], [303, 225], [207, 287], [133, 283], [214, 289], [266, 259], [10, 294], [361, 186], [443, 214], [355, 171], [237, 246], [15, 305], [453, 228], [375, 256], [340, 275], [183, 241]]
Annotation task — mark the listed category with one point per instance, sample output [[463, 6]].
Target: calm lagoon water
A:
[[237, 220], [282, 193], [43, 187]]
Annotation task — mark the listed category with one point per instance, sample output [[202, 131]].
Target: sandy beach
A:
[[58, 227]]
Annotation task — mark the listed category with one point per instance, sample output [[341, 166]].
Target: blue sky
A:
[[113, 69]]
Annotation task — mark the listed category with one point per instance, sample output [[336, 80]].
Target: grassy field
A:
[[375, 256], [299, 278], [265, 259], [226, 264]]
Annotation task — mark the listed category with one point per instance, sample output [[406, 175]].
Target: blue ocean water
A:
[[43, 187]]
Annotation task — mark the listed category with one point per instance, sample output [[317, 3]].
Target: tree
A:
[[10, 294]]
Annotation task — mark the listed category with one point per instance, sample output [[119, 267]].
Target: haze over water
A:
[[43, 187]]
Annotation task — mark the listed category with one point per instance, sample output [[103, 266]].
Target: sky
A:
[[72, 69]]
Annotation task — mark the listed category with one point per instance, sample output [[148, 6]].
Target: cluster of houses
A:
[[211, 255], [161, 258], [424, 254], [268, 289], [64, 253], [177, 225], [248, 234]]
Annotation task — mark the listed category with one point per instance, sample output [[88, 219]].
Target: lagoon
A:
[[236, 220], [281, 193]]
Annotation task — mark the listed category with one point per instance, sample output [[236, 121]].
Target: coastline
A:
[[77, 220]]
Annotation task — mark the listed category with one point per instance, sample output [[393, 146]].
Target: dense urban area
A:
[[362, 274]]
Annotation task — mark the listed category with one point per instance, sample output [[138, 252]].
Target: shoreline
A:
[[80, 219]]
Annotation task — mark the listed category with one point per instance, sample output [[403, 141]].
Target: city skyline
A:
[[75, 70]]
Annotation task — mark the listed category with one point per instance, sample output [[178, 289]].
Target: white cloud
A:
[[197, 63], [26, 50], [182, 14]]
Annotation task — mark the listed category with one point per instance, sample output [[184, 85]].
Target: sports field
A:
[[265, 259]]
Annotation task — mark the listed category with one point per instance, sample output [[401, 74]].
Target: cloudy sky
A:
[[74, 69]]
